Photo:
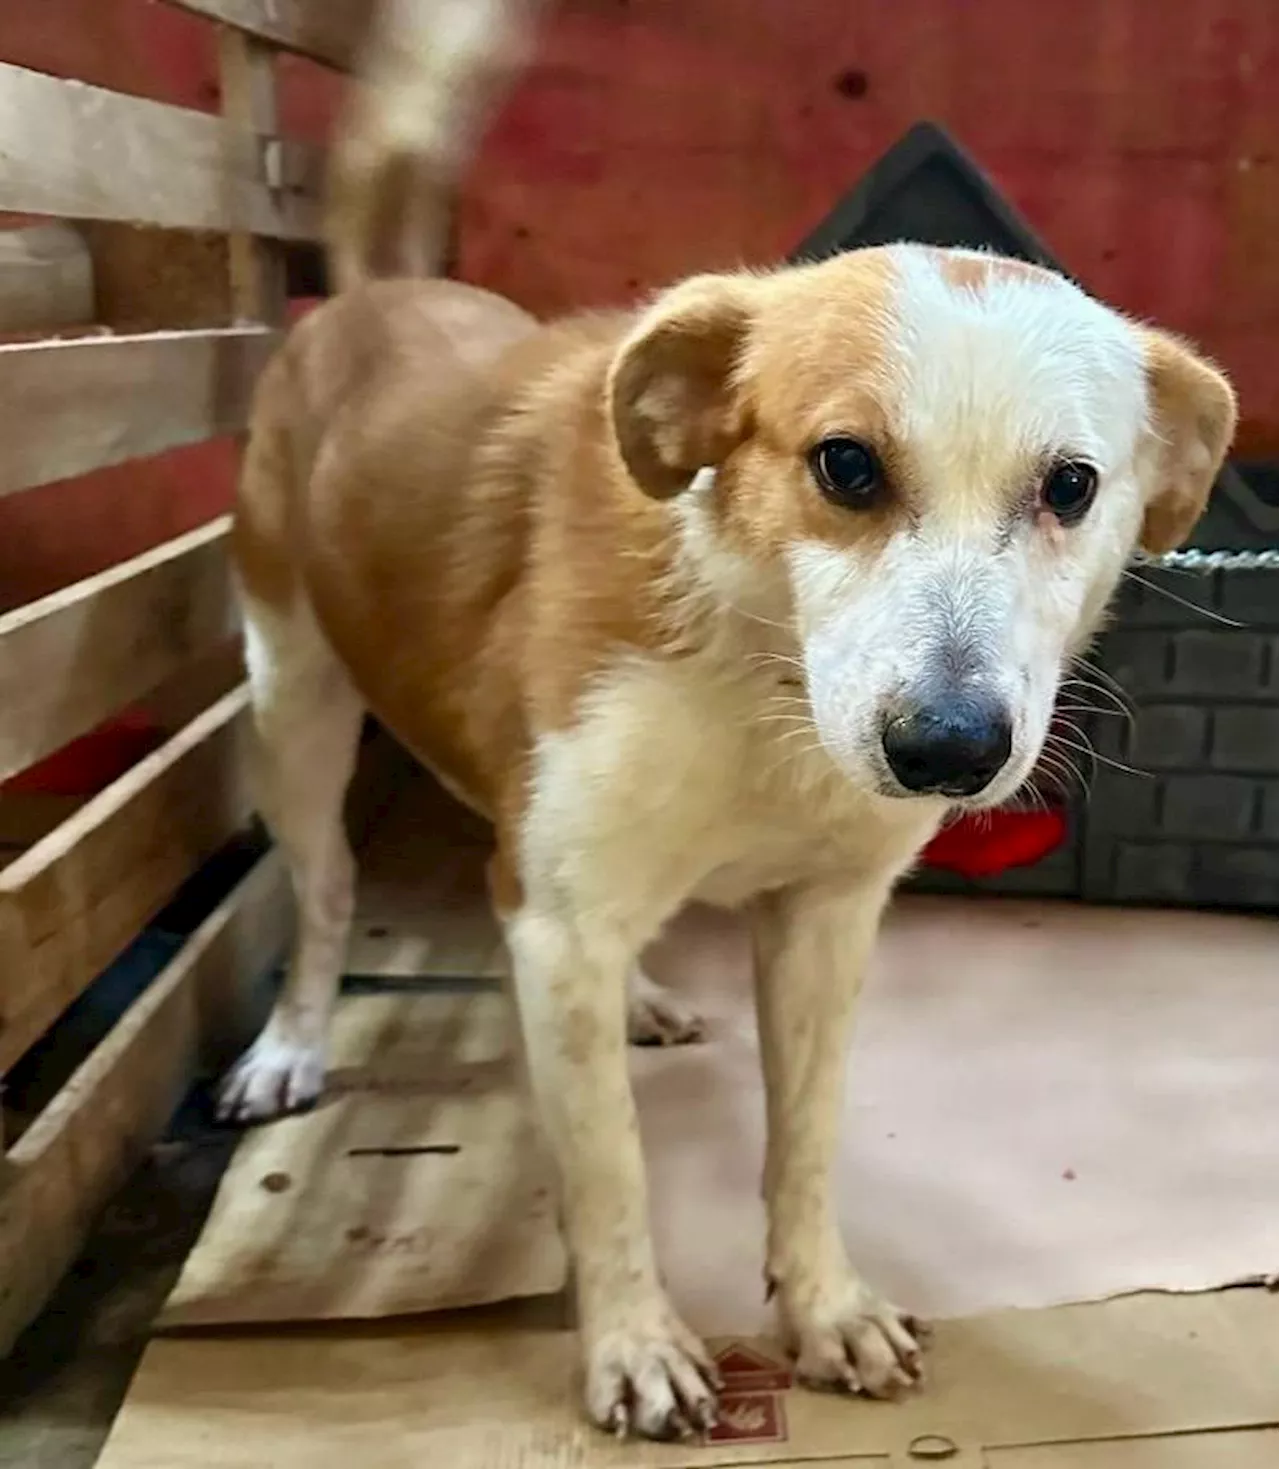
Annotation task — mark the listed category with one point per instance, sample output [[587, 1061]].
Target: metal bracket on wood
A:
[[273, 164]]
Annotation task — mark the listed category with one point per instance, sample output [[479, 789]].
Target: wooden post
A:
[[247, 71]]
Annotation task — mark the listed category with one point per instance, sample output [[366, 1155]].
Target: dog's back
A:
[[403, 353]]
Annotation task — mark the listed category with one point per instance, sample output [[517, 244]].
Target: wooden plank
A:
[[85, 153], [324, 30], [68, 407], [246, 68], [65, 1167], [73, 658], [46, 278], [72, 902]]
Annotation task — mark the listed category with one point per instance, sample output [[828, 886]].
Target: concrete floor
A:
[[61, 1386]]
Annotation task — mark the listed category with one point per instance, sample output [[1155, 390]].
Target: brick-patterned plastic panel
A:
[[1197, 823]]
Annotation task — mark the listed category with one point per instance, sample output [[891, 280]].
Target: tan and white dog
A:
[[729, 598]]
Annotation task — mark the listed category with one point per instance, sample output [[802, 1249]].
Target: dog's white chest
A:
[[674, 787]]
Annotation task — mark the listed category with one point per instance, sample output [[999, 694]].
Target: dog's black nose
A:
[[952, 746]]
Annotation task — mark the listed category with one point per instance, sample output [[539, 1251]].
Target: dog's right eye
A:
[[847, 471], [1068, 490]]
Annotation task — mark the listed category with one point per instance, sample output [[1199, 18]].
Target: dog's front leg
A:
[[645, 1371], [811, 948]]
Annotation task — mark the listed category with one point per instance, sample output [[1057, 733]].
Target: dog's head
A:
[[930, 467]]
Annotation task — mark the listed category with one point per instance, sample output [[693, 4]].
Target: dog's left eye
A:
[[847, 471], [1068, 490]]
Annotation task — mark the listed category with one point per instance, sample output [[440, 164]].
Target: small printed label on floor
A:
[[751, 1407]]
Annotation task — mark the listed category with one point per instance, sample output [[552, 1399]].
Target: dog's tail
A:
[[427, 78]]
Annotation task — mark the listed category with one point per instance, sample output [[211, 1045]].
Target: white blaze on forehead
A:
[[1005, 365]]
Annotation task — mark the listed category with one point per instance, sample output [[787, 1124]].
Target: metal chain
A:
[[1205, 563]]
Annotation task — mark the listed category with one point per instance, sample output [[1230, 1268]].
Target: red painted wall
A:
[[657, 137], [662, 136]]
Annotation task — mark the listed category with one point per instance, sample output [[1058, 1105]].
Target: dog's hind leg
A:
[[656, 1017], [307, 718]]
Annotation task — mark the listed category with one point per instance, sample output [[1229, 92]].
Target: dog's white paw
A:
[[651, 1377], [276, 1075], [656, 1017], [848, 1339]]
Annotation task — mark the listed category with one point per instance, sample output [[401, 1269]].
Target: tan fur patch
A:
[[971, 270], [1194, 419], [672, 398], [816, 365], [436, 472]]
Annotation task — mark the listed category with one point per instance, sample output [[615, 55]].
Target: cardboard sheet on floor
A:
[[1146, 1382], [1045, 1103], [419, 1183]]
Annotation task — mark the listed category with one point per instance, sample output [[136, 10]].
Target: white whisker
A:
[[1182, 601], [1094, 755]]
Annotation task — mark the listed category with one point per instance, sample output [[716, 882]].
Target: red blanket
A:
[[982, 846]]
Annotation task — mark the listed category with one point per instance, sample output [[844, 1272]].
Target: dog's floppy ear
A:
[[1193, 418], [673, 402]]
